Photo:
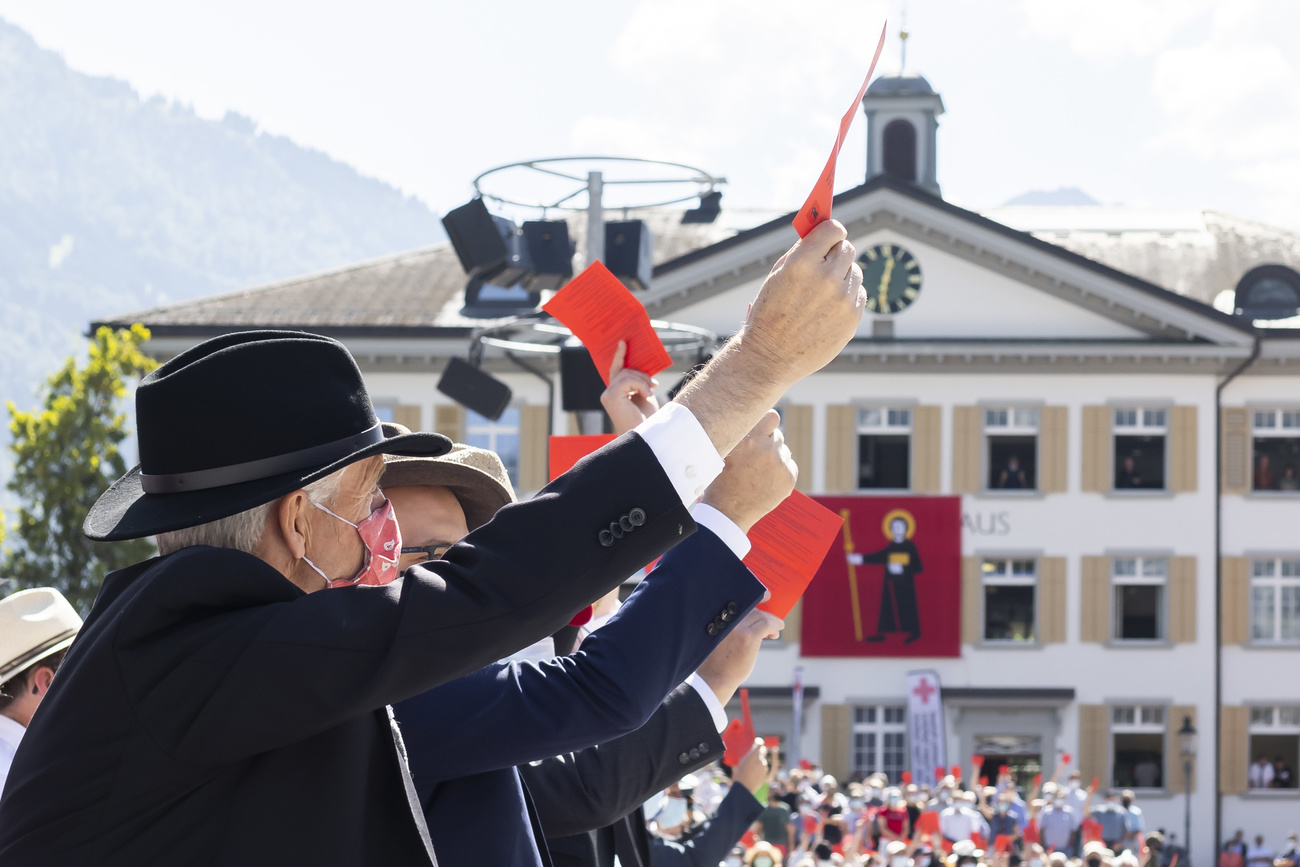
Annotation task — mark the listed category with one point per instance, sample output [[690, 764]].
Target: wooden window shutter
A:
[[1094, 598], [972, 629], [1235, 612], [836, 739], [1175, 781], [1234, 749], [1182, 449], [409, 416], [797, 423], [1236, 449], [1053, 449], [1094, 742], [449, 420], [841, 448], [793, 631], [533, 467], [1097, 450], [1051, 600], [926, 437], [1182, 600], [967, 434]]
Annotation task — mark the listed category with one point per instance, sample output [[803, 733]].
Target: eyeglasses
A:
[[430, 552]]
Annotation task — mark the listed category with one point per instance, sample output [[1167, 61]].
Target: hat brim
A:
[[480, 495], [7, 673], [125, 511]]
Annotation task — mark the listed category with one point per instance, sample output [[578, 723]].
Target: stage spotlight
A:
[[707, 212], [474, 389], [580, 383], [474, 235], [550, 253], [629, 252]]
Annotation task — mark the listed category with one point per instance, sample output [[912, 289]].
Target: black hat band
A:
[[262, 468]]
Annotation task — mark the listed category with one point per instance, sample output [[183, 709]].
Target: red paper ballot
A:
[[746, 718], [600, 312], [772, 743], [818, 206], [906, 776], [733, 738], [956, 773], [1038, 780], [1095, 781], [1065, 758], [938, 774], [788, 546], [567, 451], [1002, 843], [976, 760], [984, 781], [1004, 769]]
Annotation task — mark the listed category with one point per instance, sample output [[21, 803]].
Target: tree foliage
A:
[[65, 455]]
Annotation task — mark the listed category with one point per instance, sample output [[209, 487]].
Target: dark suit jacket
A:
[[210, 712], [738, 810], [466, 737], [604, 787]]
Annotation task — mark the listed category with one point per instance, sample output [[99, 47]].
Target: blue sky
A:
[[1140, 102]]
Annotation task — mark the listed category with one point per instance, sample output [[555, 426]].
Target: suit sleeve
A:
[[589, 789], [738, 810], [508, 714], [221, 657]]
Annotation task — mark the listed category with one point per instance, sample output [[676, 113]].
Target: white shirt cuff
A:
[[684, 450], [710, 701], [723, 527]]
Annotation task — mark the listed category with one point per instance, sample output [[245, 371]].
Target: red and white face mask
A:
[[382, 539]]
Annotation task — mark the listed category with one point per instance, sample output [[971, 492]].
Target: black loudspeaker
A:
[[707, 212], [475, 237], [550, 252], [580, 382], [474, 389], [629, 252]]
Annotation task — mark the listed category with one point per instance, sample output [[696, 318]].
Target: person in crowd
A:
[[1012, 475], [679, 842], [774, 821], [1261, 773], [36, 628], [1283, 776], [1155, 844], [1113, 820], [260, 453], [1003, 822], [1134, 824], [1259, 855], [763, 854], [1171, 850], [833, 807], [1056, 819], [1290, 854], [960, 820]]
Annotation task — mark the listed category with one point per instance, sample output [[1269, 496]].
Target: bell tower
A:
[[902, 121]]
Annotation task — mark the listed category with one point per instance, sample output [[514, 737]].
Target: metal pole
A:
[[1187, 814], [593, 422]]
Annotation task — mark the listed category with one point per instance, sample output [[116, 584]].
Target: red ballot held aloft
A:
[[906, 776], [1095, 781], [956, 772], [1002, 843], [817, 208], [788, 546], [600, 312], [976, 760], [564, 452], [1038, 780], [1065, 758], [938, 774], [739, 736], [984, 781], [1004, 769], [772, 742]]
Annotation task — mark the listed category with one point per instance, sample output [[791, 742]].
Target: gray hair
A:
[[244, 530]]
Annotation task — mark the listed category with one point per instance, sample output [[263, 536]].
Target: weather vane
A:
[[902, 35]]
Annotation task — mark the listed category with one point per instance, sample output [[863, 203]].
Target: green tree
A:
[[65, 455]]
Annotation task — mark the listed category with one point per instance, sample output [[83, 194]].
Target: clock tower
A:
[[902, 119]]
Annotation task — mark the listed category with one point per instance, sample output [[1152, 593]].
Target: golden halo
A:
[[898, 513]]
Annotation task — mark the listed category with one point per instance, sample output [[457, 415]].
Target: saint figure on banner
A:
[[901, 562]]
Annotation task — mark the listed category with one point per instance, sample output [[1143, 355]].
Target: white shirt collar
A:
[[11, 731]]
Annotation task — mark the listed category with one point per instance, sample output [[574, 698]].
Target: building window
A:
[[1276, 449], [880, 741], [1275, 600], [1138, 585], [1274, 747], [885, 448], [1140, 438], [1010, 589], [1138, 745], [384, 413], [500, 436], [1011, 437]]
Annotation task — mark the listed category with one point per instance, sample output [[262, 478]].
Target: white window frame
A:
[[1144, 719], [888, 420], [1272, 423], [1145, 573], [1002, 572], [1010, 420], [879, 727], [1276, 574], [478, 425], [1275, 719], [1147, 420]]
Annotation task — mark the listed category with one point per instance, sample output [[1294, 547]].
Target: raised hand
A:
[[751, 771], [629, 398], [759, 474]]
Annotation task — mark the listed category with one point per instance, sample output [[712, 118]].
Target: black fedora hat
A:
[[241, 420]]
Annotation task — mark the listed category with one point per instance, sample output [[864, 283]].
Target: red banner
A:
[[891, 585]]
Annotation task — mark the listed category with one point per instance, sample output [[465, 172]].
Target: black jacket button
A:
[[725, 616], [712, 629], [684, 759], [704, 748], [695, 753], [616, 531], [606, 538], [637, 517], [732, 608], [626, 523]]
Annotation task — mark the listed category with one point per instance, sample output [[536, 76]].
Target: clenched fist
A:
[[759, 474]]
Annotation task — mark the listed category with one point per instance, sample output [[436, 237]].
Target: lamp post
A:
[[1187, 749]]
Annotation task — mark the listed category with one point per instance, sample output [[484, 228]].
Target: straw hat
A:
[[476, 476], [34, 624]]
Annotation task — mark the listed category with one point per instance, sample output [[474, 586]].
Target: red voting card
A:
[[739, 736], [1003, 770], [906, 776], [984, 781], [1038, 780], [567, 451], [818, 206], [788, 545], [1095, 781], [1002, 843], [978, 840], [772, 743], [976, 760], [938, 774], [956, 773], [928, 822], [1065, 758], [600, 312]]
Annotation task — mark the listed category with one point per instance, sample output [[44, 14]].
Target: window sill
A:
[[1272, 495], [1138, 644], [1139, 494], [1271, 645], [1007, 645], [1270, 794], [1013, 494]]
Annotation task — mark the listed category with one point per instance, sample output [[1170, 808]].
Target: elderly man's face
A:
[[336, 548], [430, 517]]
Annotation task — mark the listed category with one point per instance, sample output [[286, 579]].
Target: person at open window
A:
[[1013, 475], [1289, 481], [902, 562], [1263, 474], [1128, 475], [1261, 773]]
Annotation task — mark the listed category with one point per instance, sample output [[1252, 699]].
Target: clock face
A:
[[891, 277]]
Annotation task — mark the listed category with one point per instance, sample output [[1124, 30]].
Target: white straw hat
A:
[[34, 624]]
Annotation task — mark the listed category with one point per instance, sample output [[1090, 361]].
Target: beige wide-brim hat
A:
[[476, 476], [34, 624]]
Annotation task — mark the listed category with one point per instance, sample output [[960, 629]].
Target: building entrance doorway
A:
[[1021, 754]]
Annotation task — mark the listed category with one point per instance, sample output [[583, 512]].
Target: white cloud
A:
[[1102, 29]]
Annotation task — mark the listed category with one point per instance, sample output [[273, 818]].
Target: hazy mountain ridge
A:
[[110, 203]]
